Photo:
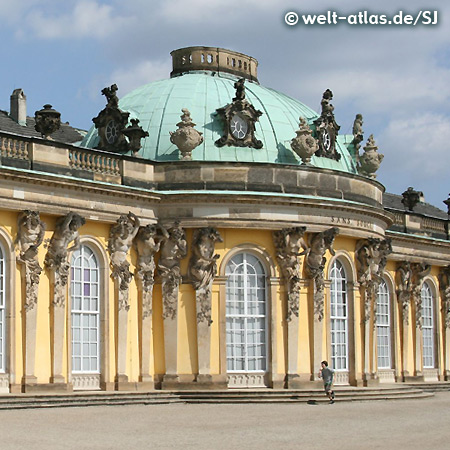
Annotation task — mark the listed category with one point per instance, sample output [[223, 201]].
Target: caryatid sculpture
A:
[[404, 287], [30, 234], [173, 249], [203, 268], [315, 261], [444, 285], [66, 231], [147, 243], [120, 240], [289, 245], [419, 272], [371, 258]]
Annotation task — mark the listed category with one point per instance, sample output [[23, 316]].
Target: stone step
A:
[[22, 401], [319, 401], [432, 387]]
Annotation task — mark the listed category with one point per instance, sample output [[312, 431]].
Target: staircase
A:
[[313, 396]]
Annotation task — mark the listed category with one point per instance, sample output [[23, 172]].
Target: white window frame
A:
[[82, 313], [428, 327], [339, 320], [2, 310], [246, 316], [384, 327]]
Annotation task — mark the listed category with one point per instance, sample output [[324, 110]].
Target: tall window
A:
[[428, 326], [384, 327], [246, 314], [84, 290], [339, 317], [2, 311]]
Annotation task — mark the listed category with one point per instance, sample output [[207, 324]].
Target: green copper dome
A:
[[158, 107]]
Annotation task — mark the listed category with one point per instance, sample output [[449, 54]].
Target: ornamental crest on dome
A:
[[239, 118], [327, 129], [111, 124]]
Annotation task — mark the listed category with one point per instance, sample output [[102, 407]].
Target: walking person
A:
[[327, 376]]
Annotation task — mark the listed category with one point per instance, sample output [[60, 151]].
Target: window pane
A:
[[85, 309], [338, 317], [246, 314]]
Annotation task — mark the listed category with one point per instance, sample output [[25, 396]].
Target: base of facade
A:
[[146, 383], [412, 379], [47, 387], [298, 381], [370, 380], [189, 383]]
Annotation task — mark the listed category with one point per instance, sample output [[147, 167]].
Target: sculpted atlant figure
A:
[[66, 231], [444, 285], [371, 258], [203, 268], [419, 272], [289, 245], [174, 248], [30, 234], [315, 263], [147, 243], [404, 287], [120, 240]]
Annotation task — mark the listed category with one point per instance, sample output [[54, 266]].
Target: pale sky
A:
[[398, 78]]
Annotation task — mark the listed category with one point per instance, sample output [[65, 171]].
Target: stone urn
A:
[[304, 144], [47, 121], [186, 138], [370, 160]]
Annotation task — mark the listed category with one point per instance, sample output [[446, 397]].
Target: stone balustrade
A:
[[180, 176]]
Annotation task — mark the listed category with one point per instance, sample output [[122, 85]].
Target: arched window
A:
[[384, 327], [85, 301], [339, 317], [246, 314], [2, 313], [428, 326]]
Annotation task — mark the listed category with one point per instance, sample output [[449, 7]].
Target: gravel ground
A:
[[400, 424]]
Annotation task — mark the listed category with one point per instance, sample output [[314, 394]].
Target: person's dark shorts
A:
[[327, 387]]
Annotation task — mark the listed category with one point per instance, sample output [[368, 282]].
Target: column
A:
[[58, 317], [170, 290], [203, 308], [122, 336], [145, 379]]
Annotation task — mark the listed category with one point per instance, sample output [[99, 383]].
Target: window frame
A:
[[246, 316], [336, 319], [82, 312]]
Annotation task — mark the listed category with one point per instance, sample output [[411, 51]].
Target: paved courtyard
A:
[[411, 424]]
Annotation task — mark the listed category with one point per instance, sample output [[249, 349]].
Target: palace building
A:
[[237, 246]]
